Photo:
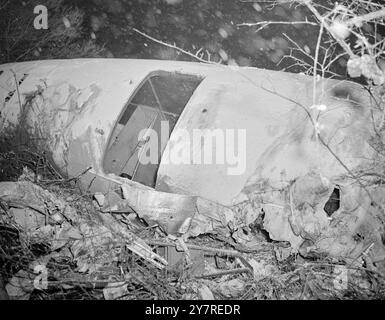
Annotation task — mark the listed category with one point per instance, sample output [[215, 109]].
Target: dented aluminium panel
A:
[[198, 134], [74, 106]]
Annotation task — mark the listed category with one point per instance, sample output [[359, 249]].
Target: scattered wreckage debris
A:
[[65, 237], [305, 220], [44, 217]]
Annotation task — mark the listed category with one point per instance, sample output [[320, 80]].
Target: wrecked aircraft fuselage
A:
[[180, 136]]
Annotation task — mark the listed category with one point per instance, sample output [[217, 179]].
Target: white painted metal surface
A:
[[74, 106]]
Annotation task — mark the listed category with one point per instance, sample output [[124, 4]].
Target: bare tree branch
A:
[[358, 20], [321, 19], [266, 23]]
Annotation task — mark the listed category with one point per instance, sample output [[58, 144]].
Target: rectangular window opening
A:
[[161, 97]]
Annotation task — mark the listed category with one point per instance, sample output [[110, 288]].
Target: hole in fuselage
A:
[[333, 204]]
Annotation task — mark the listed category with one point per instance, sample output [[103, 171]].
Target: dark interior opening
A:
[[161, 97], [333, 204]]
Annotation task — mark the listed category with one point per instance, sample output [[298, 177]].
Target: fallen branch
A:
[[68, 180], [216, 251], [224, 273], [133, 242]]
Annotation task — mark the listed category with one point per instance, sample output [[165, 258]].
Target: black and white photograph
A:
[[204, 152]]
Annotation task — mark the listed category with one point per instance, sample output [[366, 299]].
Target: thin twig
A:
[[174, 47], [325, 144], [321, 19], [267, 23], [17, 90]]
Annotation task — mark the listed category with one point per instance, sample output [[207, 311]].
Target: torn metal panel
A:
[[175, 213], [43, 216], [166, 209], [303, 221]]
